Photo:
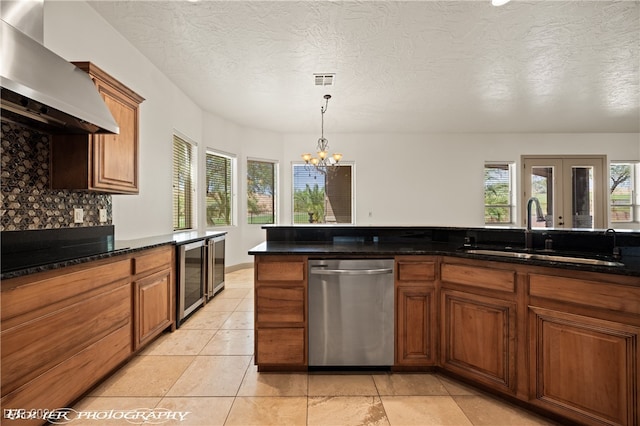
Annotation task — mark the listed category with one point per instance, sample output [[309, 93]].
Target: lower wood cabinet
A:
[[153, 306], [584, 347], [559, 340], [281, 312], [416, 311], [478, 323], [478, 338], [584, 366], [153, 289], [64, 330]]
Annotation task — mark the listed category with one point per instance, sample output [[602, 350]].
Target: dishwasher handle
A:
[[377, 271]]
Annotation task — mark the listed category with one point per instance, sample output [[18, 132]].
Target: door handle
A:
[[380, 271]]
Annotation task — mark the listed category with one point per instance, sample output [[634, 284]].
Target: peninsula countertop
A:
[[456, 242]]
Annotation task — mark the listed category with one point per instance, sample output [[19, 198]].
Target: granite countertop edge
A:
[[121, 247], [435, 249]]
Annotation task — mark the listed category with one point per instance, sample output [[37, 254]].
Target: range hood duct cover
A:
[[41, 89]]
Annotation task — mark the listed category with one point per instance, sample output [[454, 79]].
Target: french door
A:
[[571, 191]]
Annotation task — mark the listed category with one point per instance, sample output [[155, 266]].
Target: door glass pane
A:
[[542, 189], [193, 288], [582, 197]]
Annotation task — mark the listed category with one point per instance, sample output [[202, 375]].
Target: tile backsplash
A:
[[26, 199]]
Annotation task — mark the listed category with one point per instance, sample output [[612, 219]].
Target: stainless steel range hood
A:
[[38, 87]]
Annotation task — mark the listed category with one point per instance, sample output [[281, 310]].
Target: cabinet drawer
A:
[[280, 346], [276, 304], [34, 347], [151, 261], [280, 271], [416, 271], [592, 293], [68, 380], [475, 276], [40, 296]]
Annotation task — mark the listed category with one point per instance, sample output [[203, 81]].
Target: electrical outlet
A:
[[78, 215], [103, 215]]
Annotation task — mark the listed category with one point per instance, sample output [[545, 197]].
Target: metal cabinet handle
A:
[[320, 271]]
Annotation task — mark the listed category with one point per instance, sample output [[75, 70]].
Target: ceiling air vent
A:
[[325, 79]]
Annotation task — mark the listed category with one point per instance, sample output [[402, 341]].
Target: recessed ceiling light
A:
[[499, 2]]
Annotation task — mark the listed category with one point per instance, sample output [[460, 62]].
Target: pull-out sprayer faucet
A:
[[616, 249], [528, 234]]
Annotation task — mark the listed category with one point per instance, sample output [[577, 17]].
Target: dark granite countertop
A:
[[29, 252], [452, 247]]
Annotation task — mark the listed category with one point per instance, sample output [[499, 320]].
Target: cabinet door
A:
[[416, 326], [153, 306], [115, 157], [584, 368], [478, 338]]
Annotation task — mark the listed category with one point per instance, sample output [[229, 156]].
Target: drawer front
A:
[[151, 261], [280, 346], [280, 271], [476, 276], [26, 302], [31, 351], [416, 271], [69, 379], [592, 293], [280, 305]]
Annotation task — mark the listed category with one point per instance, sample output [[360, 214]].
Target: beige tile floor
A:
[[206, 368]]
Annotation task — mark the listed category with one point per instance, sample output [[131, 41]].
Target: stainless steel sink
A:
[[544, 256]]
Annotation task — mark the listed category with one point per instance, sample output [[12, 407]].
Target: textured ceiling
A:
[[417, 66]]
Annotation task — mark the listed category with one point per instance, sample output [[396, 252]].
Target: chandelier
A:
[[323, 160]]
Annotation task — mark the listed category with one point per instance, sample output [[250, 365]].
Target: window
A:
[[183, 184], [322, 197], [498, 196], [219, 197], [622, 192], [261, 186]]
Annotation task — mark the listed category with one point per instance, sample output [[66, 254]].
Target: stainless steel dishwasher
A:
[[351, 305]]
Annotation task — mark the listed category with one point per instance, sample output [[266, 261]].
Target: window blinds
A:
[[219, 189], [182, 184]]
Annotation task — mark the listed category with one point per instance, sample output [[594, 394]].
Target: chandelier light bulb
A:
[[337, 157], [306, 158]]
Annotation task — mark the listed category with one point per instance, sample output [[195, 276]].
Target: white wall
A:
[[402, 179], [226, 137], [77, 33], [436, 179]]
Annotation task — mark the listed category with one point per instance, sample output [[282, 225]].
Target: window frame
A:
[[352, 165], [510, 165], [193, 152], [276, 178], [634, 208], [232, 185]]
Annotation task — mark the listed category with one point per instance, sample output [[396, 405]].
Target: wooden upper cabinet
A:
[[101, 162]]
